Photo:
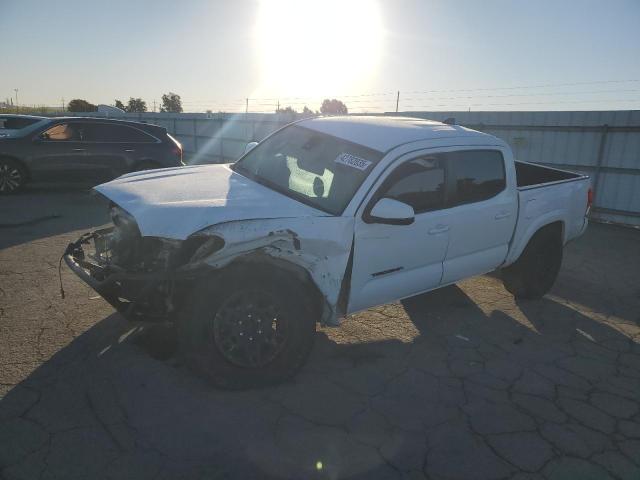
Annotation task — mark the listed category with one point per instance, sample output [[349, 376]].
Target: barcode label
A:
[[353, 161]]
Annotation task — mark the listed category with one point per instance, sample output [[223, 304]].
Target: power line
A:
[[548, 85], [387, 101], [538, 94], [524, 103]]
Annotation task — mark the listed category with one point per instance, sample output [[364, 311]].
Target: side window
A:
[[419, 183], [63, 132], [475, 175], [103, 132]]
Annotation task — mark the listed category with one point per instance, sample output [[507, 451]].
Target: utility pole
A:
[[278, 107], [246, 105], [154, 105], [397, 101], [17, 106], [62, 100]]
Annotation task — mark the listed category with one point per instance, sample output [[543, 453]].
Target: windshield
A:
[[312, 167]]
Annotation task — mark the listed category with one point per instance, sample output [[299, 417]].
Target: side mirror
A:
[[391, 212], [250, 146], [43, 136]]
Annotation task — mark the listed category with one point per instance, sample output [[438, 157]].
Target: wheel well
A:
[[248, 263], [22, 164], [555, 229]]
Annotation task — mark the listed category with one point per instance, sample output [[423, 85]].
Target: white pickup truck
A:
[[323, 218]]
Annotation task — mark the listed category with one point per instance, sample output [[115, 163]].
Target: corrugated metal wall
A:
[[604, 145]]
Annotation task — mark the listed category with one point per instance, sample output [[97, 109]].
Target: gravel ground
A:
[[461, 383]]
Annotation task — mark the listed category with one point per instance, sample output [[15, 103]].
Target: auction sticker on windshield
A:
[[353, 161]]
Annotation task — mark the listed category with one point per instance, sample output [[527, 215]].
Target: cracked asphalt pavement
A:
[[460, 383]]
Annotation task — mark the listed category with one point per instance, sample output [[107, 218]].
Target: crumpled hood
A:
[[176, 202]]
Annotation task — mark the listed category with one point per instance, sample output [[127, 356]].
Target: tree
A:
[[136, 105], [79, 105], [307, 112], [288, 110], [120, 105], [171, 102], [333, 107]]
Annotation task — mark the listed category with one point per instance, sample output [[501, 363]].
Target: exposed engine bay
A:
[[138, 275]]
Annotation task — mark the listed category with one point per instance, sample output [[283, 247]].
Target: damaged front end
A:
[[142, 277], [148, 278]]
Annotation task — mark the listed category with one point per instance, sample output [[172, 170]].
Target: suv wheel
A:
[[12, 176]]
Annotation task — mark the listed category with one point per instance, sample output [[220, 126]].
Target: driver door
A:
[[57, 153], [391, 262]]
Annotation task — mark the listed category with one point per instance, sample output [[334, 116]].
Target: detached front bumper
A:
[[131, 293]]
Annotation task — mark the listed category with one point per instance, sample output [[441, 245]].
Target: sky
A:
[[440, 55]]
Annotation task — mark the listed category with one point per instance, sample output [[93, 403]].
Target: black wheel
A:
[[248, 327], [12, 176], [535, 272], [145, 165]]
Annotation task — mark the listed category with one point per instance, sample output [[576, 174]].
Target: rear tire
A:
[[250, 326], [535, 272], [13, 176]]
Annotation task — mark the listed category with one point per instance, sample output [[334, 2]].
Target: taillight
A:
[[589, 199], [177, 148]]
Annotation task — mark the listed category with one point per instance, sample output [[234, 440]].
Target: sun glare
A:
[[318, 47]]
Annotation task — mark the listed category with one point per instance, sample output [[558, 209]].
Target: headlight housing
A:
[[121, 218], [125, 239]]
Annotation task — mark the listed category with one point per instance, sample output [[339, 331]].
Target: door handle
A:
[[78, 149], [439, 229], [129, 150], [502, 215]]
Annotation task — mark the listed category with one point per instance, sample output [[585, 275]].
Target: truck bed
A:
[[530, 175], [547, 195]]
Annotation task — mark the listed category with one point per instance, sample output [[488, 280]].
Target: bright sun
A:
[[318, 47]]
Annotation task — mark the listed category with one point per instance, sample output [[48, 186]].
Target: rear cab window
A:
[[474, 175]]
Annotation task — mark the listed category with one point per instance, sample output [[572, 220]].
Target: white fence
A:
[[603, 144]]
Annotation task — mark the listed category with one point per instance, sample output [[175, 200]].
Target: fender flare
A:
[[550, 218]]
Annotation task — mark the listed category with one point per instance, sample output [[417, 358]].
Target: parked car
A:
[[68, 149], [16, 122], [325, 217]]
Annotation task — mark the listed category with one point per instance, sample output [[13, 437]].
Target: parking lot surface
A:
[[460, 383]]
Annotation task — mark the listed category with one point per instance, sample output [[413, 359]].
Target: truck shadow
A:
[[365, 405]]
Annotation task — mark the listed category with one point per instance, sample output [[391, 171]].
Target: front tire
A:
[[13, 176], [251, 326], [535, 272]]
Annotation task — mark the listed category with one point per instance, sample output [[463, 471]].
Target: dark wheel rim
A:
[[249, 329], [10, 178]]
